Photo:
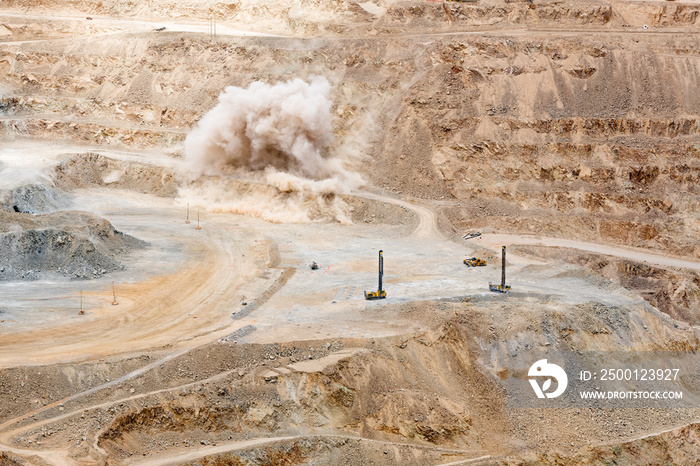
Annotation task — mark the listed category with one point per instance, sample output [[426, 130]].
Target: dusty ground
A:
[[568, 131]]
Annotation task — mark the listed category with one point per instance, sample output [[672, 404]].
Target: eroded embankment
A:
[[675, 446], [440, 388]]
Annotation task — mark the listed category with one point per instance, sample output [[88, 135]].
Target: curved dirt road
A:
[[135, 25], [427, 227], [179, 458], [196, 300], [495, 241], [427, 221]]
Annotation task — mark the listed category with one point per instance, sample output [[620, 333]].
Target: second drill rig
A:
[[502, 288]]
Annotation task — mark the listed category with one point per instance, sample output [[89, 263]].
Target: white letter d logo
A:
[[542, 369]]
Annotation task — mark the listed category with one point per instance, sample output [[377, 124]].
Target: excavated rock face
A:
[[443, 388], [671, 447], [70, 244], [584, 138], [7, 460], [89, 170], [34, 199]]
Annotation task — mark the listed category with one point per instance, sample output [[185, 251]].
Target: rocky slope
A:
[[436, 395], [68, 243]]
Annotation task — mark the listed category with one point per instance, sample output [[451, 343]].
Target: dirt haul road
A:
[[234, 446], [228, 262], [196, 297], [495, 241], [125, 25]]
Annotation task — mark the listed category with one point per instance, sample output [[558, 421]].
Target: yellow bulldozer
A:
[[474, 262]]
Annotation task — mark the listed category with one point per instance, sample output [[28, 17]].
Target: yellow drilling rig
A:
[[379, 294], [502, 288]]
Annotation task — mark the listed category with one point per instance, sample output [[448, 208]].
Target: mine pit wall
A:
[[584, 137], [524, 143], [343, 18], [643, 197], [89, 133]]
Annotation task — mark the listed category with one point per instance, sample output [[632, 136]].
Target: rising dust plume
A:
[[276, 135]]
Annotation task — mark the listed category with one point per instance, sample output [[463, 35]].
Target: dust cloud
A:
[[277, 140]]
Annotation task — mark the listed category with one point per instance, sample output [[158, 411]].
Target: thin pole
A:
[[198, 227], [187, 220], [381, 269], [114, 293], [81, 303], [503, 269]]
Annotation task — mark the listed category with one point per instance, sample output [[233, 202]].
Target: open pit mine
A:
[[406, 232]]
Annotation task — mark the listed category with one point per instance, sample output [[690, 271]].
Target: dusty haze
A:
[[277, 135]]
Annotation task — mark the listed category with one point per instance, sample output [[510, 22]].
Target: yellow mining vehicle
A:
[[474, 262], [379, 294]]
